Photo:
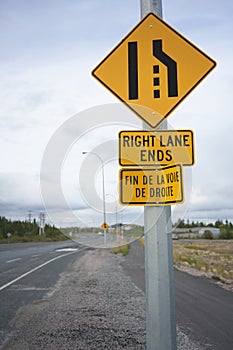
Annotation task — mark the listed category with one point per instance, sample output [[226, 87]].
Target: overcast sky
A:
[[48, 50]]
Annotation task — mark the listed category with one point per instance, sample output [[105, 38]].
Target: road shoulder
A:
[[94, 306]]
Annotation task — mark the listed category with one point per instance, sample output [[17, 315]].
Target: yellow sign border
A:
[[155, 203], [181, 99], [105, 226], [134, 164]]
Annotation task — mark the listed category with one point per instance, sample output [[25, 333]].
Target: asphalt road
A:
[[97, 241], [204, 311], [27, 272]]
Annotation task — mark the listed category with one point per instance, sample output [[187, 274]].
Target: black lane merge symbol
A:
[[171, 66], [163, 58]]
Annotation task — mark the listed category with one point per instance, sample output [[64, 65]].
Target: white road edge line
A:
[[9, 261], [33, 270]]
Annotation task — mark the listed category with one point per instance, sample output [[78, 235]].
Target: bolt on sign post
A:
[[152, 70]]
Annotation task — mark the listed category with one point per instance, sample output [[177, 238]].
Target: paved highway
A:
[[204, 310], [97, 241], [17, 259], [27, 272]]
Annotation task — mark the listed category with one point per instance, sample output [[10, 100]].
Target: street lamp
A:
[[103, 188]]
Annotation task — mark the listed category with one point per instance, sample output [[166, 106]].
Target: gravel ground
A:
[[93, 306]]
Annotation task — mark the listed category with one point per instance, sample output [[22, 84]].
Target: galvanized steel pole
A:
[[154, 6], [160, 300]]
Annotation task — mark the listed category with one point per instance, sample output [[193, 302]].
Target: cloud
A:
[[19, 193], [47, 54]]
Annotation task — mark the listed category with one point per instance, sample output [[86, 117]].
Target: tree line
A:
[[25, 230], [226, 227]]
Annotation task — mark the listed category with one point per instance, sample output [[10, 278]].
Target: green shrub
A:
[[208, 235], [124, 249], [189, 259], [226, 233]]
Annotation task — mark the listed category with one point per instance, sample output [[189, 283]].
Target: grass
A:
[[195, 247], [212, 257], [124, 249], [141, 241]]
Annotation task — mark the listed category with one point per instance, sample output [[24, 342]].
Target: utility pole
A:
[[29, 220], [29, 216], [160, 301], [41, 223]]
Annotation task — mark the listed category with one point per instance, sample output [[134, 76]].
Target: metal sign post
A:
[[160, 300], [152, 70]]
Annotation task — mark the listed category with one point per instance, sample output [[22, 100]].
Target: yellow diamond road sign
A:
[[162, 186], [104, 226], [153, 69], [151, 148]]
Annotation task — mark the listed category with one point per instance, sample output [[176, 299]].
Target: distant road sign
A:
[[162, 186], [153, 69], [148, 148], [105, 226]]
